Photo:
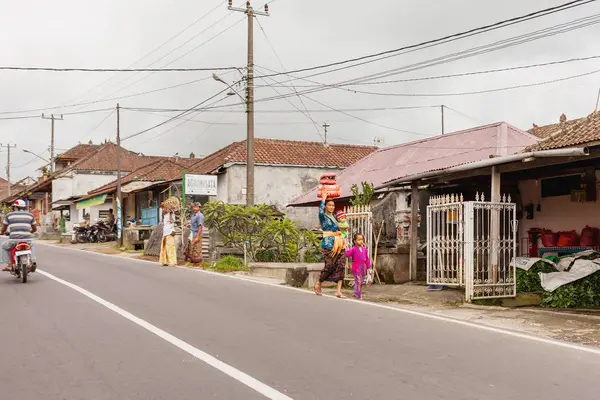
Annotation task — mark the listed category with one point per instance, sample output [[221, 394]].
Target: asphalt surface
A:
[[59, 344]]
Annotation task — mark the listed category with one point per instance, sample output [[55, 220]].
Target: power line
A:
[[97, 126], [440, 60], [497, 25], [218, 109], [51, 69], [148, 54], [175, 117], [185, 54], [109, 99], [305, 112], [502, 89], [462, 74], [355, 117]]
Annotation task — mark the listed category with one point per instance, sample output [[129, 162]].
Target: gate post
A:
[[468, 255]]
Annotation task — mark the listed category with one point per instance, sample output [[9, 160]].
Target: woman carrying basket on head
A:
[[332, 245]]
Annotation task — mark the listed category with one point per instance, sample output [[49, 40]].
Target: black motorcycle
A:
[[106, 232], [81, 233]]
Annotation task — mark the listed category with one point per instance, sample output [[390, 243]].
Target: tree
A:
[[364, 198]]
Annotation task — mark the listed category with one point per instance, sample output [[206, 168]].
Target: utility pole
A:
[[251, 13], [325, 126], [8, 147], [597, 100], [52, 118], [442, 106], [119, 207]]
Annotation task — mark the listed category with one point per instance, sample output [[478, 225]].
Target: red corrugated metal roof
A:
[[430, 154]]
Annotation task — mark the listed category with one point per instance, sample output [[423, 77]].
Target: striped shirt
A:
[[19, 224]]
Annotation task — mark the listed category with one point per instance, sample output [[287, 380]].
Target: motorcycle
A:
[[106, 233], [21, 260], [80, 234], [92, 233]]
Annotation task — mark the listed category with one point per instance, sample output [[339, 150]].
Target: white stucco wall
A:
[[277, 185], [84, 183], [222, 188], [62, 188]]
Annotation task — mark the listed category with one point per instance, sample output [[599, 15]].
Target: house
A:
[[283, 170], [97, 168], [392, 205], [552, 184], [142, 190]]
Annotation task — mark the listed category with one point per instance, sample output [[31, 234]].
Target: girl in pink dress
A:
[[360, 263]]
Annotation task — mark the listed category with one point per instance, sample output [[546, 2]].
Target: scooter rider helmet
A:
[[20, 204]]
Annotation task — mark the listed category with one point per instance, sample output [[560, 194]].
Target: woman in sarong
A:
[[333, 247], [168, 250], [194, 249]]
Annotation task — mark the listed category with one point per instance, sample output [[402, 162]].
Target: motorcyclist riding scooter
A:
[[21, 226]]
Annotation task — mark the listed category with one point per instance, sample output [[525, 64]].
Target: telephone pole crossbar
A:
[[251, 13], [53, 118]]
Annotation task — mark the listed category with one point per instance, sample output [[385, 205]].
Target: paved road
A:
[[60, 344]]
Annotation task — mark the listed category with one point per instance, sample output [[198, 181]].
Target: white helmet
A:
[[19, 204]]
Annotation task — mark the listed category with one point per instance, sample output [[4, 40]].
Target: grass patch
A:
[[228, 264]]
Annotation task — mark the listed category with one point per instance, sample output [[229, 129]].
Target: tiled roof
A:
[[581, 131], [79, 151], [284, 152], [163, 170], [431, 154], [105, 159]]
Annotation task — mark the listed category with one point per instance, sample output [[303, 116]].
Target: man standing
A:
[[21, 225], [195, 241]]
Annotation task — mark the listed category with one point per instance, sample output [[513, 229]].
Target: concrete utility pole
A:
[[52, 118], [325, 126], [442, 119], [119, 206], [251, 13], [8, 147]]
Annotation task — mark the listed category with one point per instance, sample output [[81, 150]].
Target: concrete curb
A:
[[565, 313]]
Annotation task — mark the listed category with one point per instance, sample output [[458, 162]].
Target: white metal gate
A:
[[360, 220], [471, 244]]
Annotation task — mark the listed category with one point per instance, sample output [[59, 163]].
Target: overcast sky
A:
[[304, 33]]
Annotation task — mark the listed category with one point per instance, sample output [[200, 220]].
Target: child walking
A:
[[360, 263]]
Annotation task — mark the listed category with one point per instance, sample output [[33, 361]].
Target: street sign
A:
[[201, 185]]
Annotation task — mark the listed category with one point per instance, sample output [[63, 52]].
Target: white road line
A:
[[236, 374], [488, 328]]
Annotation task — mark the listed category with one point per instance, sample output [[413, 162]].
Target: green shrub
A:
[[229, 264], [529, 281], [583, 293], [267, 237]]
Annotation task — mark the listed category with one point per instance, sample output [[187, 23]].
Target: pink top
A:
[[360, 257]]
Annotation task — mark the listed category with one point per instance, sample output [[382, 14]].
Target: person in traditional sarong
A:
[[168, 250], [194, 253], [332, 246]]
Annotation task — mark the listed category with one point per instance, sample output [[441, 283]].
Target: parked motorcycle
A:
[[92, 233], [106, 232], [80, 233]]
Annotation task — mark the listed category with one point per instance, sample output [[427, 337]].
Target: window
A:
[[103, 214], [560, 186]]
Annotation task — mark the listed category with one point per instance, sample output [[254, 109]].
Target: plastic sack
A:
[[548, 239], [567, 239], [369, 278], [589, 237]]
